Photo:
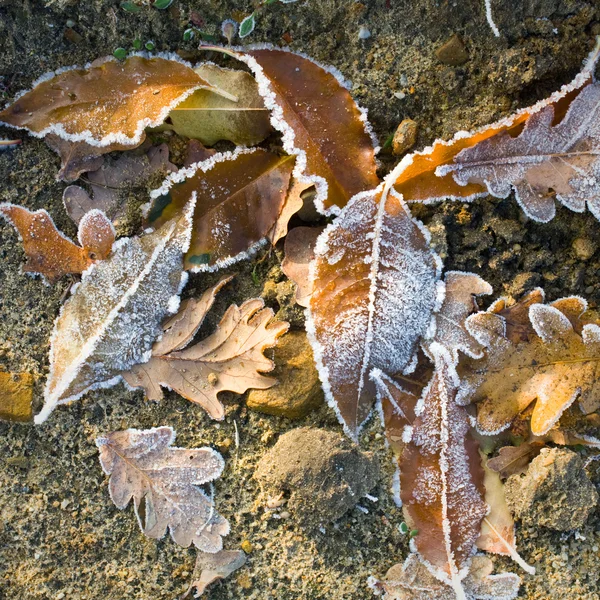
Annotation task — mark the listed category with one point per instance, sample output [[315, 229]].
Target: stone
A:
[[321, 473], [584, 248], [298, 391], [453, 52], [555, 492], [405, 137]]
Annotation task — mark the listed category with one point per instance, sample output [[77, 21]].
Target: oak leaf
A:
[[162, 481], [375, 282], [113, 317], [556, 365], [49, 252], [229, 359], [240, 197], [106, 103], [441, 479], [210, 117], [320, 122]]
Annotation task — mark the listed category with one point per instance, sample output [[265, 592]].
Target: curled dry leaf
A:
[[210, 117], [162, 480], [106, 103], [49, 252], [514, 460], [320, 122], [437, 172], [440, 476], [376, 285], [293, 203], [230, 359], [213, 567], [112, 177], [557, 364], [113, 317], [240, 197], [413, 581], [16, 396]]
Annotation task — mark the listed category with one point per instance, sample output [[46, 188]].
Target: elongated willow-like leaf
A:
[[428, 176], [115, 314], [441, 479], [106, 103], [210, 117], [555, 365], [320, 122], [240, 197], [375, 284], [162, 482]]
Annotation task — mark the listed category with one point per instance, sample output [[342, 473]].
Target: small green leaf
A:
[[130, 6], [120, 53], [403, 527], [413, 533], [247, 26], [188, 35], [207, 37], [162, 4], [149, 46], [137, 44]]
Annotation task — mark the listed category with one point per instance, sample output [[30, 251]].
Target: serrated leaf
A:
[[555, 366], [162, 481], [109, 102], [210, 117], [113, 317], [230, 359], [49, 252], [375, 287], [240, 197]]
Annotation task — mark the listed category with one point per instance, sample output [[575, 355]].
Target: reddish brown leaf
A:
[[513, 460], [320, 121], [52, 254], [195, 152], [240, 197], [293, 203]]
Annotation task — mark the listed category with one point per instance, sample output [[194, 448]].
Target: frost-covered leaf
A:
[[210, 117], [427, 175], [240, 197], [299, 250], [293, 203], [114, 316], [459, 303], [230, 359], [320, 122], [547, 160], [247, 26], [108, 102], [16, 395], [376, 285], [112, 177], [554, 366], [213, 567], [413, 581], [162, 480], [49, 252], [441, 479], [513, 460]]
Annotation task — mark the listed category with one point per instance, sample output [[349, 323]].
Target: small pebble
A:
[[405, 137], [453, 52], [363, 33], [247, 546], [584, 248]]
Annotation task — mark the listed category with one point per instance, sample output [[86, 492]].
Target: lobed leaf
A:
[[162, 481]]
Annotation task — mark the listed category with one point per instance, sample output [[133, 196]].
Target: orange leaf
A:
[[52, 254]]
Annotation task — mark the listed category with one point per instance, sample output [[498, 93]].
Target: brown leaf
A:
[[293, 203], [376, 285], [52, 254], [436, 174], [210, 117], [441, 479], [106, 103], [555, 367], [514, 460], [230, 359], [240, 197], [16, 396], [299, 252], [195, 152], [162, 481], [320, 123], [213, 567], [413, 581]]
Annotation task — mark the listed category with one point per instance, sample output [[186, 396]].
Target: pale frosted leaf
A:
[[213, 567], [376, 284], [230, 359], [413, 581], [162, 481], [441, 478], [112, 319]]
